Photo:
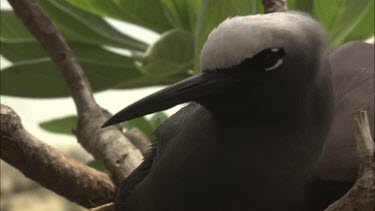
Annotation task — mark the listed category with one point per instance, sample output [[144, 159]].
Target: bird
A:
[[255, 128], [352, 67]]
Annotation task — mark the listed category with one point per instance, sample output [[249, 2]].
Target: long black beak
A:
[[190, 89]]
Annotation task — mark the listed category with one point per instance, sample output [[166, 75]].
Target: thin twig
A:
[[365, 144], [45, 165], [275, 5], [110, 145], [105, 207], [362, 195]]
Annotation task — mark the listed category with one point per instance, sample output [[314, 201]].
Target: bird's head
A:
[[253, 61]]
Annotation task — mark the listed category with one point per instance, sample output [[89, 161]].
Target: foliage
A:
[[183, 26], [99, 165], [67, 124]]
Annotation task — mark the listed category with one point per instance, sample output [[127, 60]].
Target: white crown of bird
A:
[[242, 37]]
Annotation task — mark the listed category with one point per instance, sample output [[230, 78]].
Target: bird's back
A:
[[353, 84]]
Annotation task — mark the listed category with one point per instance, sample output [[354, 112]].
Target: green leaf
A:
[[213, 12], [298, 5], [256, 7], [182, 13], [62, 125], [157, 119], [365, 28], [12, 29], [141, 123], [98, 165], [38, 78], [146, 126], [292, 4], [121, 10], [82, 26], [41, 78], [171, 54], [17, 51], [147, 13], [340, 17], [65, 125], [106, 8], [152, 80]]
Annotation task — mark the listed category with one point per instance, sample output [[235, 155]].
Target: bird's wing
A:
[[352, 66], [128, 185], [165, 132]]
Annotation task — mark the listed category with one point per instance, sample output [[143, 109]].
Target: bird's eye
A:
[[269, 59]]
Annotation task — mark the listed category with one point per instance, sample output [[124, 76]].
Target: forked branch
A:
[[110, 145], [47, 166]]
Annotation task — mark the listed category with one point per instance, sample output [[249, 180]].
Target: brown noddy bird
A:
[[251, 139]]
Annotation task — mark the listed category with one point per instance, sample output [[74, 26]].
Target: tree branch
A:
[[110, 145], [361, 196], [275, 5], [55, 171]]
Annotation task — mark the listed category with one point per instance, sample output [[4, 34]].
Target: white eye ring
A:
[[277, 64]]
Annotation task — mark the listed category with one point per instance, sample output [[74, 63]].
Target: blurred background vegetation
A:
[[118, 59]]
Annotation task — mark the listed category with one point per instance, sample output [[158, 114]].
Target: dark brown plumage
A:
[[253, 138]]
